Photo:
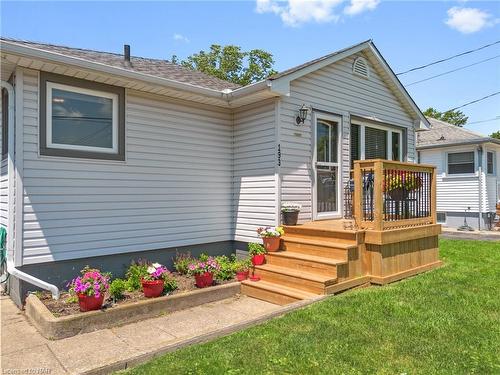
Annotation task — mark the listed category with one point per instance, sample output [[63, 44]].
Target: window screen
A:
[[375, 143], [355, 144], [489, 162]]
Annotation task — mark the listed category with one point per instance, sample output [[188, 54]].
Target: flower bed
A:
[[67, 306]]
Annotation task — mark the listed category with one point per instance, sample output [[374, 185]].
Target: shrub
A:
[[116, 288], [242, 265], [134, 274], [170, 282], [226, 271], [255, 249], [182, 261]]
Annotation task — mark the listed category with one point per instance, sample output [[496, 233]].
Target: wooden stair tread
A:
[[280, 289], [320, 228], [307, 257], [325, 243], [327, 280]]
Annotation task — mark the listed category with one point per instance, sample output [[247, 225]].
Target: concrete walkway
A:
[[25, 351], [482, 235]]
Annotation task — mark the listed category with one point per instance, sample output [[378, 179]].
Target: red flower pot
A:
[[243, 275], [153, 288], [204, 280], [258, 260], [89, 303], [271, 243]]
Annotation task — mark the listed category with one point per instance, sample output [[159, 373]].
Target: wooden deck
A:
[[330, 256]]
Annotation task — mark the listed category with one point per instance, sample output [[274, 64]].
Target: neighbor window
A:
[[461, 162], [82, 119], [5, 123], [490, 164], [441, 217]]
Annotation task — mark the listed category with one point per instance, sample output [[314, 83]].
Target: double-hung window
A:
[[490, 162], [81, 119], [461, 162]]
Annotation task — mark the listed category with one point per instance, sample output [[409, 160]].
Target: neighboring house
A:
[[468, 170], [119, 158]]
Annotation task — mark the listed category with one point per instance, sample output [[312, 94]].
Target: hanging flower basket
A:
[[398, 194], [205, 279], [90, 303], [152, 288]]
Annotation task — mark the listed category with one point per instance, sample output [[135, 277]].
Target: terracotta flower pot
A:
[[290, 217], [258, 260], [204, 280], [271, 243], [152, 288], [242, 275], [89, 303]]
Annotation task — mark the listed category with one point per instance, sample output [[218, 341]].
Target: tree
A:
[[456, 117], [495, 134], [232, 64]]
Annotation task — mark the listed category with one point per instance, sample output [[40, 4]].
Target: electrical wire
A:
[[474, 101], [448, 58], [454, 70], [481, 121]]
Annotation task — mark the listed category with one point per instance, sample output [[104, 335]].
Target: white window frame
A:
[[79, 90], [493, 173], [461, 174], [389, 130]]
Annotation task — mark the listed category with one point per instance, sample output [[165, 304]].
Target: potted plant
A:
[[203, 271], [242, 269], [271, 237], [399, 184], [257, 253], [153, 281], [290, 212], [90, 288]]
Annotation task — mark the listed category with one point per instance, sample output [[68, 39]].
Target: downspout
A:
[[480, 183], [11, 269]]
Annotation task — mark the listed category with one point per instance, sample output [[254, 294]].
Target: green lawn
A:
[[445, 321]]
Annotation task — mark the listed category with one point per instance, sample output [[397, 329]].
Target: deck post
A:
[[433, 196], [357, 202], [378, 195]]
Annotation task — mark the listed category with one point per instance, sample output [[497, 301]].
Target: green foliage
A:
[[226, 271], [203, 257], [182, 261], [232, 64], [72, 299], [170, 283], [456, 117], [255, 249], [495, 134], [134, 274], [445, 321], [117, 288], [242, 265]]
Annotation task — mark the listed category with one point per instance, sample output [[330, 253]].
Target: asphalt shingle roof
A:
[[153, 67], [442, 134]]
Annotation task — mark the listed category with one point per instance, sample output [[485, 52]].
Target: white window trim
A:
[[448, 174], [389, 130], [79, 90]]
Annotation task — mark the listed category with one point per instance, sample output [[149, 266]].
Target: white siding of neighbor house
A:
[[336, 90], [457, 192], [254, 169], [174, 189], [4, 182]]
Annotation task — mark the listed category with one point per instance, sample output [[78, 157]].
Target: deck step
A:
[[299, 279], [305, 262], [324, 232], [319, 248], [274, 293]]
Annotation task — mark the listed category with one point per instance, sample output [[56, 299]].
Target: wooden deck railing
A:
[[390, 194]]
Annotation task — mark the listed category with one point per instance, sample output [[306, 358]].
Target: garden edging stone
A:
[[55, 328]]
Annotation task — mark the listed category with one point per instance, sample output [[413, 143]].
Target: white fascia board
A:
[[30, 52]]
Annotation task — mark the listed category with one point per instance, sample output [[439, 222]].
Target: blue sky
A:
[[407, 33]]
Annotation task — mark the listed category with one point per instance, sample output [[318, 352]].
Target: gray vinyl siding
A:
[[336, 90], [174, 189], [254, 169]]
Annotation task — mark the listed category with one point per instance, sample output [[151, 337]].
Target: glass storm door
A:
[[327, 180]]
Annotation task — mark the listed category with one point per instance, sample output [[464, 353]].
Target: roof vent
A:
[[360, 67], [126, 53], [442, 138]]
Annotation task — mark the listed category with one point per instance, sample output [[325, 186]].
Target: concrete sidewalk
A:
[[24, 350], [482, 235]]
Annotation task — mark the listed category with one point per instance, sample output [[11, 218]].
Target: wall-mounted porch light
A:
[[301, 118]]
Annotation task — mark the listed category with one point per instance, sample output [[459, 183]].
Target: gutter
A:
[[476, 141], [11, 269]]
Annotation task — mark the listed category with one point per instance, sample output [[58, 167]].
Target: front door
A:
[[326, 189]]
